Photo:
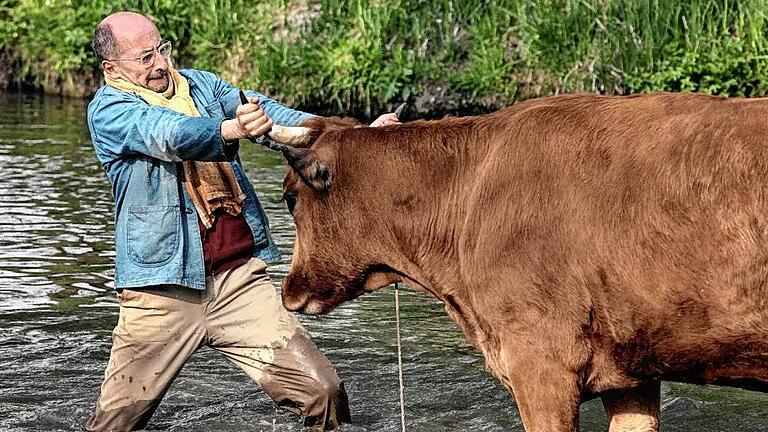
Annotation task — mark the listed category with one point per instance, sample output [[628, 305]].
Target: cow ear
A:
[[305, 161], [295, 145]]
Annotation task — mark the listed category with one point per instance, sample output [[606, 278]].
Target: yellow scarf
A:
[[210, 185]]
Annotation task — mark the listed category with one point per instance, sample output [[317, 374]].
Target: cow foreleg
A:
[[547, 395], [634, 410]]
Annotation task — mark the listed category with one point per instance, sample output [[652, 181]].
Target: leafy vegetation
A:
[[364, 56]]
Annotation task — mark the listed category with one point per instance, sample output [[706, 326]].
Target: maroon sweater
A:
[[227, 244]]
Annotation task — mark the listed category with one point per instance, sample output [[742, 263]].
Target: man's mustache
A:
[[162, 73]]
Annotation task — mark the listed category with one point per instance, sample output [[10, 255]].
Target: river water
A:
[[57, 311]]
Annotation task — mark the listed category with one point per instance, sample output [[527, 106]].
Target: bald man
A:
[[192, 241]]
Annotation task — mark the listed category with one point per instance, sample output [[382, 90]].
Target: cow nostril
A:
[[294, 303], [326, 294]]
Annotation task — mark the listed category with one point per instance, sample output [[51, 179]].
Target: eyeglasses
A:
[[148, 58]]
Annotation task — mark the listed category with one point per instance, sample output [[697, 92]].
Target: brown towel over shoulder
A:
[[213, 186]]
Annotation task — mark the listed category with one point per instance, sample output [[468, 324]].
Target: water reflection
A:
[[57, 310]]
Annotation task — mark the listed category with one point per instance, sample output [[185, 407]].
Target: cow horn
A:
[[291, 136]]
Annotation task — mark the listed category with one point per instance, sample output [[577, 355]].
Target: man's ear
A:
[[110, 69]]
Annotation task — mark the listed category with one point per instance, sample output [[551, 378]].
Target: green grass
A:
[[364, 56]]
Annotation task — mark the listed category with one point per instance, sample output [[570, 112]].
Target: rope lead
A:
[[399, 358]]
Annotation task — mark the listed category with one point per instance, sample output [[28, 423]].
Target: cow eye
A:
[[290, 200]]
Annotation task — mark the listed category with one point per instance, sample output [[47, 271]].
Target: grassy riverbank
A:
[[363, 56]]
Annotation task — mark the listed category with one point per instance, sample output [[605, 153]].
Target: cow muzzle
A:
[[303, 303], [309, 307], [306, 304], [295, 302]]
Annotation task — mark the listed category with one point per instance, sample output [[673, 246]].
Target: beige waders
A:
[[240, 315]]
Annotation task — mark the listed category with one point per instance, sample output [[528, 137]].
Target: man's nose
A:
[[158, 61]]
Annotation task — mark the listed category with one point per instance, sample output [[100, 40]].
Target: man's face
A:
[[133, 43]]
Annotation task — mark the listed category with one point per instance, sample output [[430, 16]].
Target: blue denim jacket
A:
[[157, 238]]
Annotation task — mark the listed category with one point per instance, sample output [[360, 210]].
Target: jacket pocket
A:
[[152, 233]]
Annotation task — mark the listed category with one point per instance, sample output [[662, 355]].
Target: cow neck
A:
[[458, 307], [440, 168]]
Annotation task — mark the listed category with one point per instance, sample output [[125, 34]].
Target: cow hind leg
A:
[[634, 410]]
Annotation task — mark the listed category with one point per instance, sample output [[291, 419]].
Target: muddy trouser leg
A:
[[156, 333], [248, 323]]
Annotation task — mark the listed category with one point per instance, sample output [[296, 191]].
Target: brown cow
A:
[[586, 245]]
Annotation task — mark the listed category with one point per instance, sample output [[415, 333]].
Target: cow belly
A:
[[706, 356]]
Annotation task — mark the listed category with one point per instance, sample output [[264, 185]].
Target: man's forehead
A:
[[140, 40]]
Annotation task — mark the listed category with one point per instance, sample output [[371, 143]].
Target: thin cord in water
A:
[[399, 358]]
